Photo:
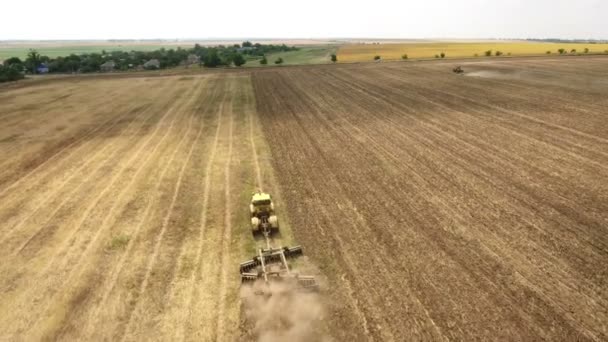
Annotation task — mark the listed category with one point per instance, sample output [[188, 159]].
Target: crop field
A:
[[305, 55], [366, 52], [431, 206], [57, 50]]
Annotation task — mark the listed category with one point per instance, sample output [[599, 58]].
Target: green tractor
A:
[[263, 218]]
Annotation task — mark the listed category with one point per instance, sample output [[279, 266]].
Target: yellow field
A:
[[366, 52]]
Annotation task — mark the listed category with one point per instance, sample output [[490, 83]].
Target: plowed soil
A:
[[446, 207], [434, 206]]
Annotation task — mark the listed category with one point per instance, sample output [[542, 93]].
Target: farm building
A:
[[42, 68], [193, 59], [152, 64], [108, 66], [245, 49]]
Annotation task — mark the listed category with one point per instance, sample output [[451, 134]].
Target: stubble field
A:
[[394, 51], [435, 206]]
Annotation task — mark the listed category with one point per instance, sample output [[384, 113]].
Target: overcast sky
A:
[[113, 19]]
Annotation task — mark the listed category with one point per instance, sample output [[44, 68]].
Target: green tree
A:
[[10, 73], [13, 61], [279, 61], [488, 53], [573, 51], [586, 50], [404, 56], [498, 53], [33, 60], [561, 51], [442, 55], [263, 61], [334, 58], [548, 52], [238, 60], [212, 59], [377, 58]]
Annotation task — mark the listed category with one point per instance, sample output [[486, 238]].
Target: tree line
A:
[[210, 57]]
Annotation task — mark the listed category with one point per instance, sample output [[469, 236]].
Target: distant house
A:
[[152, 64], [107, 66], [245, 49], [193, 59], [42, 69]]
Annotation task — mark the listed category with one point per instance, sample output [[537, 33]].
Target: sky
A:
[[191, 19]]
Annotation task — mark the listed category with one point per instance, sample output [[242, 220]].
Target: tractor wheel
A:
[[255, 225], [274, 223]]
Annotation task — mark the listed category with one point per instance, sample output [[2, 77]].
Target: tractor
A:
[[263, 218], [271, 264]]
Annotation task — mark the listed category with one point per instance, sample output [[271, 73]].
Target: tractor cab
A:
[[261, 204], [263, 218]]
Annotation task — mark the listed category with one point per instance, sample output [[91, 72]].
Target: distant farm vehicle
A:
[[458, 70], [263, 218]]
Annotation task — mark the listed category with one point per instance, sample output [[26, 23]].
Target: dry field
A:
[[435, 206], [394, 51], [121, 204]]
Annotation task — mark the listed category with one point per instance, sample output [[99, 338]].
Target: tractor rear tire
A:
[[274, 223], [255, 225]]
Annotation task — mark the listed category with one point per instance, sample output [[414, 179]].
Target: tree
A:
[[13, 61], [436, 56], [238, 60], [586, 50], [212, 59], [10, 73], [334, 58], [488, 53], [404, 56], [442, 55], [279, 61], [377, 58], [33, 60], [548, 52], [573, 51], [263, 61], [561, 51], [247, 44], [498, 53]]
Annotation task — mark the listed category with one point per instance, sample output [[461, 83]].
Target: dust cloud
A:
[[279, 312]]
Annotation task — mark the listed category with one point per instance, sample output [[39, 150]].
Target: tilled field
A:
[[447, 207], [434, 206]]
